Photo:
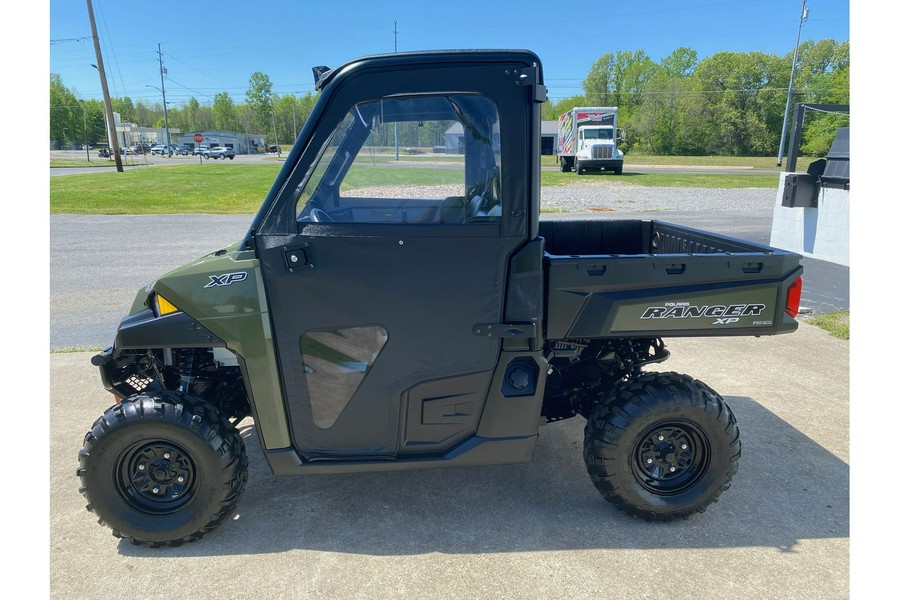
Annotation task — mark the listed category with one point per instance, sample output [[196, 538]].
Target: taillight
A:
[[792, 305]]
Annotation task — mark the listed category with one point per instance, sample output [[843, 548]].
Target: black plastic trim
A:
[[177, 330]]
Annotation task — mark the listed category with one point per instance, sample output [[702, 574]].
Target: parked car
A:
[[200, 149], [181, 149], [161, 149], [273, 149], [103, 153], [219, 152]]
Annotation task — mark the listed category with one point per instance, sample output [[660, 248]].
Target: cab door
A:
[[379, 272]]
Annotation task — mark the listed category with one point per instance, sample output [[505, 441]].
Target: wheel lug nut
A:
[[683, 446], [649, 461], [660, 437], [155, 490], [671, 469], [181, 480], [141, 467], [166, 455]]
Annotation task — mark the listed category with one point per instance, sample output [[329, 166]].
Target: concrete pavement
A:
[[538, 530]]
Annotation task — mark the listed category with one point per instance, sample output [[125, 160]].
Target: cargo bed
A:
[[635, 278]]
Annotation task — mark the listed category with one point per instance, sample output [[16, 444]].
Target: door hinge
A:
[[527, 76], [506, 330]]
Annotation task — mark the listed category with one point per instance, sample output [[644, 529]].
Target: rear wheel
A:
[[578, 169], [662, 446], [162, 469]]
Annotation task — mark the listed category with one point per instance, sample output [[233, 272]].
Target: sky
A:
[[213, 47]]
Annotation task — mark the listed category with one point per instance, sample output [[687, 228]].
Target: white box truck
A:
[[587, 140]]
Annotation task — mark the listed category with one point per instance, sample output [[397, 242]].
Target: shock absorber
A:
[[188, 367]]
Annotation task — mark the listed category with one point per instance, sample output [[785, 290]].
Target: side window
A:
[[335, 363], [418, 159]]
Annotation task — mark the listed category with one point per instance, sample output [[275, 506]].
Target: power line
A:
[[191, 89], [64, 40], [830, 112]]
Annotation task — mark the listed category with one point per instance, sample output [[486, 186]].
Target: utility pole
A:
[[162, 81], [110, 120], [275, 129], [804, 13], [396, 137], [87, 150]]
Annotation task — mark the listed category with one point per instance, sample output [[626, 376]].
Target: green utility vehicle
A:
[[372, 320]]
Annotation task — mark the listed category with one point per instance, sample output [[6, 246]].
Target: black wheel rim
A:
[[671, 457], [156, 477]]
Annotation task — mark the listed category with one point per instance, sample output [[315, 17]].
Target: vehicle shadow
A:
[[788, 488]]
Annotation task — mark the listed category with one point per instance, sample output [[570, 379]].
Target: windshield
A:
[[598, 134]]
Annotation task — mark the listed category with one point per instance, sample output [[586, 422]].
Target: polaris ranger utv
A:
[[372, 324]]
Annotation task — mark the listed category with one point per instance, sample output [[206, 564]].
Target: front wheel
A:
[[662, 446], [162, 469]]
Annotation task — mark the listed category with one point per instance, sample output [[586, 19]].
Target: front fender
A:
[[177, 330]]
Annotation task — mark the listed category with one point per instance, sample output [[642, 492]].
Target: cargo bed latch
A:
[[505, 330]]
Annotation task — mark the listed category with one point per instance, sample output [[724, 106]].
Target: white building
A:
[[241, 143], [130, 134], [549, 133]]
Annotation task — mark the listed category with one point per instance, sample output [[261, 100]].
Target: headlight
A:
[[163, 306]]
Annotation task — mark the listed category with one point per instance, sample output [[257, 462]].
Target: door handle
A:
[[298, 257]]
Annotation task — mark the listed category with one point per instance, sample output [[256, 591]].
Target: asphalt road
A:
[[98, 263], [158, 161]]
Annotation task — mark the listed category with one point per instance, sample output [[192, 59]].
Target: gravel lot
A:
[[602, 195]]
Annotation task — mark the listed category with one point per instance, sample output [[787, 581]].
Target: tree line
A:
[[263, 113], [727, 104]]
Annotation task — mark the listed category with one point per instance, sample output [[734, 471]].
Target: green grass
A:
[[837, 323], [752, 162], [82, 162], [712, 180], [213, 188], [73, 349], [183, 189], [363, 175]]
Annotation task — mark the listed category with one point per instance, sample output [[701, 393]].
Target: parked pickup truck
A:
[[367, 323]]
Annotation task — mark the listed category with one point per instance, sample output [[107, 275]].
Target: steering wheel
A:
[[317, 215]]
